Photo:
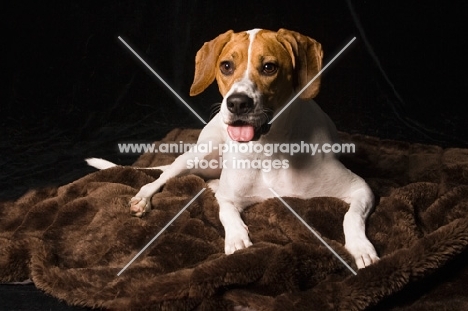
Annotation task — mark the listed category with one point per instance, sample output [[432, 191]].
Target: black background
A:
[[72, 90]]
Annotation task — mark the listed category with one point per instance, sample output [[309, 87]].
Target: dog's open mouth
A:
[[241, 131]]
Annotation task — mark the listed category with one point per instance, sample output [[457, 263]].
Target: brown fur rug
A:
[[73, 240]]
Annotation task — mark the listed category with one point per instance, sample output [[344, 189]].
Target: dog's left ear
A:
[[306, 55], [206, 62]]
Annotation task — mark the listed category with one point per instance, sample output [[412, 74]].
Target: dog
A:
[[258, 73]]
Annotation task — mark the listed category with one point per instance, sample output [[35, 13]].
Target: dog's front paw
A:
[[363, 252], [139, 206], [236, 238]]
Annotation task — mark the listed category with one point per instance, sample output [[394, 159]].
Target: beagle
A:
[[258, 72]]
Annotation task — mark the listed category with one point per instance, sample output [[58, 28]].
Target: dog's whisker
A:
[[214, 109]]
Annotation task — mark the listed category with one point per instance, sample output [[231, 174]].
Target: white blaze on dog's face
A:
[[257, 72]]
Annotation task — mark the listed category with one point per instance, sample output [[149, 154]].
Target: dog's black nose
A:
[[239, 103]]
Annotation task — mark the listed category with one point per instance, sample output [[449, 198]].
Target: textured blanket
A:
[[73, 240]]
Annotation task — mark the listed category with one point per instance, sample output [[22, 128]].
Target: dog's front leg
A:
[[209, 136], [236, 232], [356, 241], [141, 202]]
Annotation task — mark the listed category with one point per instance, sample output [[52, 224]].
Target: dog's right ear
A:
[[205, 62]]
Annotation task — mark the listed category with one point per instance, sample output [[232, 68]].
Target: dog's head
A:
[[257, 71]]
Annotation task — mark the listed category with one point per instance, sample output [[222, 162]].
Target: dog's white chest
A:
[[250, 171]]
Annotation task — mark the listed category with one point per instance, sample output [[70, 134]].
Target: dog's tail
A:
[[100, 164]]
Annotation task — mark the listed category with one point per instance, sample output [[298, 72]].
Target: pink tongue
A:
[[241, 132]]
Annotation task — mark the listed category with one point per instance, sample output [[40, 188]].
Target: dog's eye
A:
[[269, 68], [227, 68]]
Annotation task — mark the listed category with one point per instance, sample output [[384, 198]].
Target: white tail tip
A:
[[99, 163]]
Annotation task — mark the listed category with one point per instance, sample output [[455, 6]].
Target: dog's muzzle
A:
[[247, 125]]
